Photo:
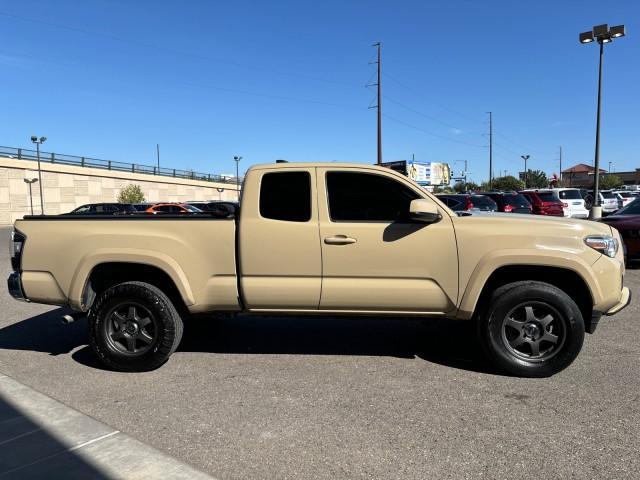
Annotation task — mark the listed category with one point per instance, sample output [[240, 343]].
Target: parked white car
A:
[[624, 197], [572, 202], [608, 201]]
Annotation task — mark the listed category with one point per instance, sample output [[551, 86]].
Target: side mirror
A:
[[422, 210]]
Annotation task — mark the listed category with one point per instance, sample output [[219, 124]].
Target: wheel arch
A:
[[106, 274], [566, 279]]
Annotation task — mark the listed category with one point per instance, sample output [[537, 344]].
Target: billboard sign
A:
[[423, 173], [429, 173]]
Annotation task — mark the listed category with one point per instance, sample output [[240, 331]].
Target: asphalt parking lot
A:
[[347, 398]]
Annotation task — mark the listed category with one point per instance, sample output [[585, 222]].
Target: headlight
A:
[[604, 244]]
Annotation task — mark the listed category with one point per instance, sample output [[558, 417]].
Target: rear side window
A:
[[286, 196], [570, 195], [364, 197]]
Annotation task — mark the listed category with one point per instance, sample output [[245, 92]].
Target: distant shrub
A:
[[131, 194]]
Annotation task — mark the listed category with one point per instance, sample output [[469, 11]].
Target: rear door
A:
[[280, 262], [374, 257]]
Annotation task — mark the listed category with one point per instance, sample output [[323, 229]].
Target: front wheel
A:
[[134, 327], [531, 329]]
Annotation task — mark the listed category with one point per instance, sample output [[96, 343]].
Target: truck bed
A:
[[197, 252]]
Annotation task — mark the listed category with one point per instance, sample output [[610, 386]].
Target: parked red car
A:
[[544, 202], [627, 222]]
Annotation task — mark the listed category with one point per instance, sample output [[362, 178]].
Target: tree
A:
[[508, 182], [462, 187], [608, 182], [132, 193], [537, 179]]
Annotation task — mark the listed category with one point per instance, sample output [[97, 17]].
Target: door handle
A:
[[339, 240]]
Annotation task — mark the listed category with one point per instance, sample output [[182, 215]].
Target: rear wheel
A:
[[134, 327], [531, 329]]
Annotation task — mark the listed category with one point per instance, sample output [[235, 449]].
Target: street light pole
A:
[[596, 211], [525, 158], [30, 182], [602, 34], [38, 141], [237, 159]]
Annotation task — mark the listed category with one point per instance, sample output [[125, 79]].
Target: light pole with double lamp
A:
[[38, 142], [237, 159], [602, 34]]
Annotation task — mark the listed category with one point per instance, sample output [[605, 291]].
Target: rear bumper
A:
[[14, 284]]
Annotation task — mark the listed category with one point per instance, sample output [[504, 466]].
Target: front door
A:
[[374, 257]]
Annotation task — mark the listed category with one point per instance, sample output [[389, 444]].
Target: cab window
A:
[[286, 196], [365, 197]]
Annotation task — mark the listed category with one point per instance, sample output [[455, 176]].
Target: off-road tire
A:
[[167, 327], [506, 311]]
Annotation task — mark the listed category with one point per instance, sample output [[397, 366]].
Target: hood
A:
[[532, 225]]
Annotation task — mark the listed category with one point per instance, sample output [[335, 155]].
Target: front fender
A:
[[494, 260]]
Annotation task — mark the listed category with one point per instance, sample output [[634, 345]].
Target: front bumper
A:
[[625, 300], [14, 284]]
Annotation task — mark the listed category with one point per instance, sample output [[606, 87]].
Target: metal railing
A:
[[61, 159]]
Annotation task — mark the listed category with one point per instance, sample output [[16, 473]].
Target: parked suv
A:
[[103, 209], [544, 202], [572, 202], [173, 208], [509, 202], [218, 208], [608, 201], [625, 197], [461, 202]]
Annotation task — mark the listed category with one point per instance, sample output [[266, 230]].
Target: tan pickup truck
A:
[[327, 239]]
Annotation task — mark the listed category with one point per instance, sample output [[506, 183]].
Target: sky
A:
[[208, 80]]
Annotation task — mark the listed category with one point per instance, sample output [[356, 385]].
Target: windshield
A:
[[625, 194], [570, 195], [483, 203], [191, 208], [515, 200], [632, 209], [607, 195]]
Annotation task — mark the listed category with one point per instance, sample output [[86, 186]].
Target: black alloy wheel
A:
[[530, 328], [131, 329], [135, 327], [533, 331]]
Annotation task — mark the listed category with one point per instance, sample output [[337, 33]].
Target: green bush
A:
[[131, 194]]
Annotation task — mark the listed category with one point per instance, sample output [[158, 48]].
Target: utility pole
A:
[[560, 173], [490, 150], [609, 168], [379, 101], [158, 155]]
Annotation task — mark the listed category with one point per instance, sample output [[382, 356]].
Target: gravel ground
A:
[[347, 398]]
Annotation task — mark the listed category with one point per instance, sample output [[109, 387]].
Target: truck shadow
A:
[[44, 333], [446, 342]]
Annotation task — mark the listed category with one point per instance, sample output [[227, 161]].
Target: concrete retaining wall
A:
[[66, 187]]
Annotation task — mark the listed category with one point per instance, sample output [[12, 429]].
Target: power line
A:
[[431, 133], [443, 107], [175, 51]]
